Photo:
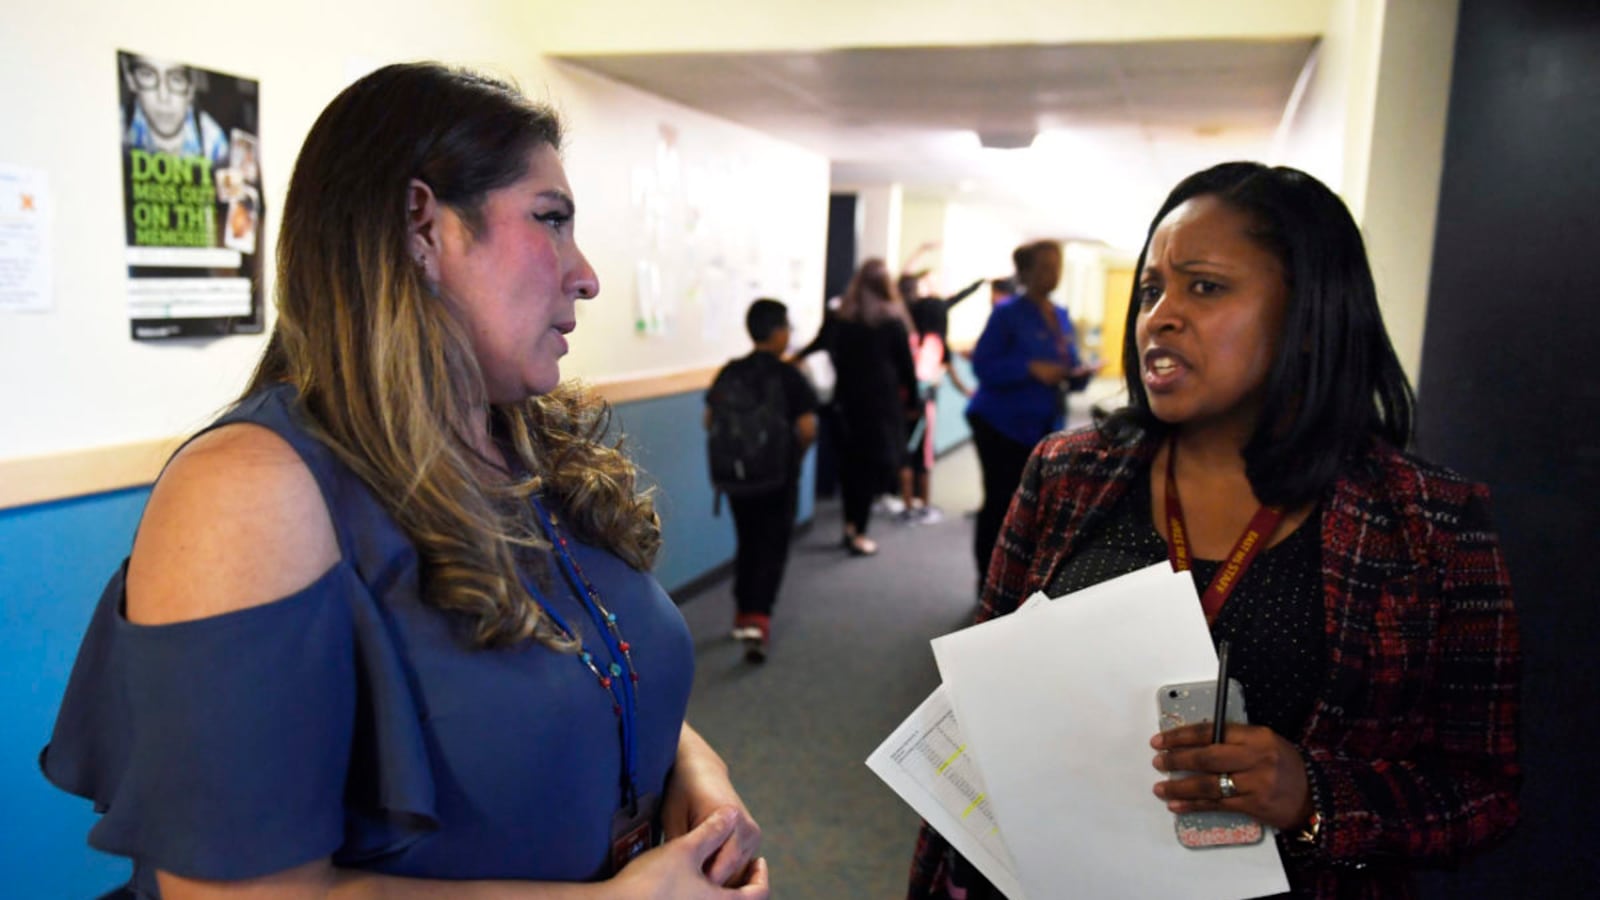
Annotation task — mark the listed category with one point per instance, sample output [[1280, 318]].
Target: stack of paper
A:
[[1043, 723]]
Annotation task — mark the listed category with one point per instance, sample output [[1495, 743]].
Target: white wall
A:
[[1405, 162], [975, 241], [72, 378], [1311, 136], [737, 216], [1083, 282], [1329, 130], [922, 223], [978, 240], [1371, 126]]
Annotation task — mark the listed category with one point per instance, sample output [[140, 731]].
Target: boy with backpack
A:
[[760, 418]]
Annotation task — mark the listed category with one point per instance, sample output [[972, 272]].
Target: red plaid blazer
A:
[[1411, 748]]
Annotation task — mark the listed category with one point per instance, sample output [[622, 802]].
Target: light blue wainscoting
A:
[[54, 560], [668, 441], [950, 412]]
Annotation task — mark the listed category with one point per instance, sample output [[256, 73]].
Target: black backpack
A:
[[750, 444]]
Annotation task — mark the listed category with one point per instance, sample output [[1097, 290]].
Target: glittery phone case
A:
[[1184, 704]]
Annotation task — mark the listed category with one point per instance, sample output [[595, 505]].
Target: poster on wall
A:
[[192, 199]]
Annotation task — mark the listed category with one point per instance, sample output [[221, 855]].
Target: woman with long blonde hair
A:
[[388, 624]]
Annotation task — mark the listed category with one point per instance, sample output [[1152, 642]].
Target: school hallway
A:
[[849, 660]]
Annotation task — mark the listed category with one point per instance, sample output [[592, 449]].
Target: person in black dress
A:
[[868, 339]]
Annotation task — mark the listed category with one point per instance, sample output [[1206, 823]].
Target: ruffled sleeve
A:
[[247, 743]]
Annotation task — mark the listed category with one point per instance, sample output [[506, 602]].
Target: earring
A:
[[422, 275]]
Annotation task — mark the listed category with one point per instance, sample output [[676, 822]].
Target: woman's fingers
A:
[[1213, 758], [1206, 790], [759, 881], [709, 836], [1189, 749], [1194, 735], [733, 857], [1266, 772]]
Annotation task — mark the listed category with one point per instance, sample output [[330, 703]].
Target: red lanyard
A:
[[1244, 552]]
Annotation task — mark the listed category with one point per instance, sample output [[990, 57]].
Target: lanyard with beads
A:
[[621, 685]]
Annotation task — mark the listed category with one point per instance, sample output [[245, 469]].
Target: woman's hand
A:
[[1047, 372], [699, 788], [678, 868], [1267, 771]]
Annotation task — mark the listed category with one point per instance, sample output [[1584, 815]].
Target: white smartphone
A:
[[1186, 704]]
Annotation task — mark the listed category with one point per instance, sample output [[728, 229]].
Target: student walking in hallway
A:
[[761, 415]]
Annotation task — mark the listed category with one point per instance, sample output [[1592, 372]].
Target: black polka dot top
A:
[[1273, 621]]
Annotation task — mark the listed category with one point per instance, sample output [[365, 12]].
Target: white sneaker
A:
[[929, 515], [890, 504], [746, 633]]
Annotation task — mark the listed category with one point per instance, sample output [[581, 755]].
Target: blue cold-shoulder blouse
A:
[[352, 721]]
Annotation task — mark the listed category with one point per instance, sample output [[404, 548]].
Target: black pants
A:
[[869, 460], [763, 525], [1002, 460], [860, 482]]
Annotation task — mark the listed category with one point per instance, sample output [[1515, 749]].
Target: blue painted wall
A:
[[665, 435], [950, 414], [55, 559]]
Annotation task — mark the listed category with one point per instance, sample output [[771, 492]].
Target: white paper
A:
[[188, 298], [1058, 707], [25, 273], [926, 763]]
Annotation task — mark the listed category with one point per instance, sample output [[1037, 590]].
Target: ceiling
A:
[[1118, 123]]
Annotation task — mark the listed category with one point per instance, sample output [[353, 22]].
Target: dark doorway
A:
[[843, 237]]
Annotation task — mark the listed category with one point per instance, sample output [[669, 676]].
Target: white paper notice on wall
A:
[[25, 275]]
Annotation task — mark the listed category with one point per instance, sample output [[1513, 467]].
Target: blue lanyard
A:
[[619, 683]]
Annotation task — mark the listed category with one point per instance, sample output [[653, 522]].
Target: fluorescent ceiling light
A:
[[1006, 140]]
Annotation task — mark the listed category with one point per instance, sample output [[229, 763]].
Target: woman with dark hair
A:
[[930, 341], [1026, 361], [388, 626], [868, 341], [1374, 635]]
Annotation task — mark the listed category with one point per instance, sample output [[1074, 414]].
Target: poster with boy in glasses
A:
[[192, 198]]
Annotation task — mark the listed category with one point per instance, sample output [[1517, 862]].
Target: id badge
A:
[[633, 835]]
